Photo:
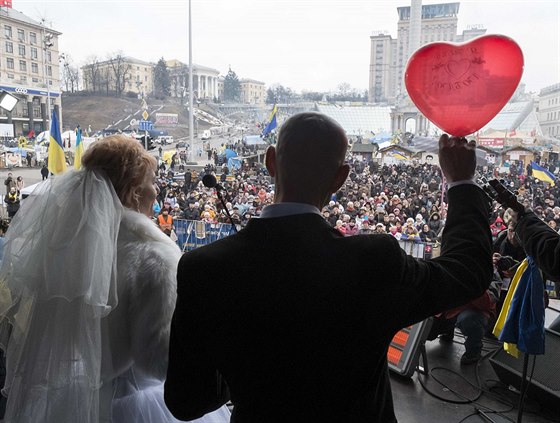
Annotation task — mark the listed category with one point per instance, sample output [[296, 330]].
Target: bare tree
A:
[[120, 72], [92, 77], [70, 74]]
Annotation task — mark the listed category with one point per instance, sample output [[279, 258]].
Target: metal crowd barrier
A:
[[192, 234]]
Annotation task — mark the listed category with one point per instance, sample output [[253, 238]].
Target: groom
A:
[[295, 317]]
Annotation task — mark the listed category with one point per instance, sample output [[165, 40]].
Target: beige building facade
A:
[[120, 74], [30, 70], [252, 91], [549, 111]]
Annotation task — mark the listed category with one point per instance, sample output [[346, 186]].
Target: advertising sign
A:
[[163, 119]]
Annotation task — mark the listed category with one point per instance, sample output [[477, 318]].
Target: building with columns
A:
[[252, 91], [205, 80], [30, 70], [388, 56]]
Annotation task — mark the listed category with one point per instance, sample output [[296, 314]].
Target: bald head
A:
[[308, 160]]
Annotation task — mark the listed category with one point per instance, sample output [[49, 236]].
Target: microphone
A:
[[210, 181]]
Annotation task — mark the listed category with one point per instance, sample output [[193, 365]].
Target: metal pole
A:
[[46, 77], [191, 88]]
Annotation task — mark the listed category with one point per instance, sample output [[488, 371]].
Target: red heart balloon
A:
[[461, 87]]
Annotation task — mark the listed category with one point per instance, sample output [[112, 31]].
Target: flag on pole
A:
[[543, 174], [79, 148], [271, 122], [6, 3], [521, 322], [57, 159]]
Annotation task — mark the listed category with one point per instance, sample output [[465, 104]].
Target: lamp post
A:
[[47, 44], [191, 111]]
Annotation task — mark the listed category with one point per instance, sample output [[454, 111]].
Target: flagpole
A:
[[191, 114]]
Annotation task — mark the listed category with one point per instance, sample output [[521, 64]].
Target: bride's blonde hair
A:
[[124, 161]]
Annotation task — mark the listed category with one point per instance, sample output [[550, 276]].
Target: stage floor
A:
[[448, 379]]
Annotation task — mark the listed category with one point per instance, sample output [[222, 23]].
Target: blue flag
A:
[[524, 324], [57, 159], [272, 122], [542, 174]]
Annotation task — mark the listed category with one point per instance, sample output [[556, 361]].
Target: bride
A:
[[87, 289]]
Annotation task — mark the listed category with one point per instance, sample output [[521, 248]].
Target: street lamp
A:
[[47, 44]]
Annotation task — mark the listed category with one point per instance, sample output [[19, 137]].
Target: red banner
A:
[[6, 3]]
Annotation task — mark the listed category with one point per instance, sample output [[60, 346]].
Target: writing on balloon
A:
[[456, 85]]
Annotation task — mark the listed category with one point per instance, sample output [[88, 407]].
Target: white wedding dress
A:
[[89, 288]]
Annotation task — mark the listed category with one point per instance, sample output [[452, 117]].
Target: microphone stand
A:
[[221, 198]]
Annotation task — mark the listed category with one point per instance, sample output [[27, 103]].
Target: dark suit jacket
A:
[[298, 318], [542, 243]]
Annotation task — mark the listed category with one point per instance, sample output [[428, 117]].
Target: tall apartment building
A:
[[30, 70], [549, 110], [119, 74], [388, 56]]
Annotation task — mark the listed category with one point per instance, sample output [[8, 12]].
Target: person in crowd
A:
[[307, 346], [20, 184], [435, 223], [472, 319], [9, 182], [12, 201], [102, 286], [177, 213], [427, 235], [165, 221], [44, 172], [497, 227]]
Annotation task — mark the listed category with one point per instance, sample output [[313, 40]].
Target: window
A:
[[21, 35], [10, 76], [10, 63], [34, 68], [32, 38], [49, 70], [9, 47], [35, 79], [8, 31], [49, 56], [23, 78], [34, 53], [23, 65], [21, 50]]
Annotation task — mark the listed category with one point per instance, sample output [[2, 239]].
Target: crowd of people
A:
[[403, 199]]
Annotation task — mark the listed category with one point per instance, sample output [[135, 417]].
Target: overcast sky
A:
[[301, 44]]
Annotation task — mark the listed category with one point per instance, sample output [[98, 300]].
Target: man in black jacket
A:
[[296, 319]]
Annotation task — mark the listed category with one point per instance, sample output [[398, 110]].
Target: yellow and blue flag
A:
[[271, 122], [542, 174], [521, 322], [79, 149], [57, 159]]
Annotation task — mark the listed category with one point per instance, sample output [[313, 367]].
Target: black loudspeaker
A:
[[545, 384]]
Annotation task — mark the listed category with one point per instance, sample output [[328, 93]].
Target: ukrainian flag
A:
[[271, 122], [542, 174], [521, 322], [57, 159], [79, 149]]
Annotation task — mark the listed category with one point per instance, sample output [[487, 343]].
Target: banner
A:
[[6, 3], [163, 119]]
